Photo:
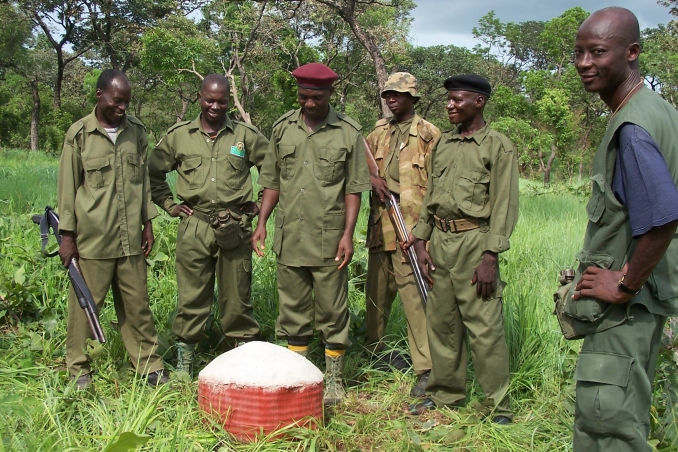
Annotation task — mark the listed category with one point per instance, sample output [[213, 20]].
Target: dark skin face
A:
[[112, 102], [466, 108], [314, 103], [604, 58], [214, 99], [400, 104]]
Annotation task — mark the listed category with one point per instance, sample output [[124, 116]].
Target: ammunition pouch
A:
[[227, 228], [568, 325]]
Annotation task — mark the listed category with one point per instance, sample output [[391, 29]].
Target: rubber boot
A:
[[334, 390], [299, 349], [185, 354]]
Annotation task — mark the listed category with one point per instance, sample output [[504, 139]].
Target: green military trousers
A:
[[298, 313], [127, 277], [199, 259], [457, 316], [614, 375], [387, 275]]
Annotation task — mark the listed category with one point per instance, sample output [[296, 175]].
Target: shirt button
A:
[[207, 140], [213, 179], [214, 202], [301, 219], [305, 163], [302, 190], [213, 159]]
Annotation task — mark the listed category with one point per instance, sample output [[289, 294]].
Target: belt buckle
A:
[[445, 223]]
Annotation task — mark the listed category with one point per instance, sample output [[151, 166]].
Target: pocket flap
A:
[[419, 160], [95, 164], [332, 155], [604, 368], [596, 205], [601, 260], [477, 177], [286, 149], [192, 163], [238, 163], [134, 159], [334, 221]]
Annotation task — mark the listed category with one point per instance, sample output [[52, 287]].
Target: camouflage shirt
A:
[[413, 177]]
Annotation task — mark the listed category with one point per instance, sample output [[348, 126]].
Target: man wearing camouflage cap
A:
[[469, 212], [401, 147]]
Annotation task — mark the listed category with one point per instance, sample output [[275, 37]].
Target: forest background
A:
[[52, 51]]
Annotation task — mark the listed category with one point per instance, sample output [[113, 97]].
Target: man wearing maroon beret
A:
[[316, 169]]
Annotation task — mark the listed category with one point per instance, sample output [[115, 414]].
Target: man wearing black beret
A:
[[469, 212]]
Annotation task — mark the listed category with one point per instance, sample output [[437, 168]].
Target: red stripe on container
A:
[[247, 412]]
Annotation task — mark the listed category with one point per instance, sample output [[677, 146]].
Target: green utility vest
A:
[[609, 242]]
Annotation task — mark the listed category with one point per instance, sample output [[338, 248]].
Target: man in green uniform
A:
[[212, 156], [469, 212], [316, 169], [627, 279], [402, 149], [105, 221]]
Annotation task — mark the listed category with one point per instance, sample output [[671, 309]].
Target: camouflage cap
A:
[[401, 82]]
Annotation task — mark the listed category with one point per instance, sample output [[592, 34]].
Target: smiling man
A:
[[627, 280], [401, 146], [212, 156], [105, 213], [468, 214], [315, 169]]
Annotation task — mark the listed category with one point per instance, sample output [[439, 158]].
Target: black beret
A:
[[468, 82]]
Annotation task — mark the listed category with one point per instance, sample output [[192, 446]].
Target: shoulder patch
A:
[[285, 116], [350, 121], [382, 122], [136, 121], [249, 126]]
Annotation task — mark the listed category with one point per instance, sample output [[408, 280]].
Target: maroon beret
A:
[[314, 76]]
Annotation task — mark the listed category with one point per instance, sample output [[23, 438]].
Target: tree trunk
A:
[[35, 115], [184, 108]]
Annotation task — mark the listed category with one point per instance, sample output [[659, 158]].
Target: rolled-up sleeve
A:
[[269, 176], [161, 162], [503, 199], [69, 179], [357, 173]]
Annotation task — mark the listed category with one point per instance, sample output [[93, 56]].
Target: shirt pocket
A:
[[98, 172], [419, 174], [596, 205], [237, 172], [135, 169], [333, 229], [193, 172], [287, 160], [329, 168], [472, 190]]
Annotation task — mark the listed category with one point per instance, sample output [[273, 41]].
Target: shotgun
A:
[[50, 220], [402, 234]]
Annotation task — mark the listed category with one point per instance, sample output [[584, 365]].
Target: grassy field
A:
[[39, 410]]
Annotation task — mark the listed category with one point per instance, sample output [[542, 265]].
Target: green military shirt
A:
[[473, 177], [313, 172], [213, 174], [103, 188]]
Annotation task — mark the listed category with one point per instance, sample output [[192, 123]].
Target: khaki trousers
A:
[[199, 260], [299, 312], [388, 275], [127, 277], [457, 318], [614, 375]]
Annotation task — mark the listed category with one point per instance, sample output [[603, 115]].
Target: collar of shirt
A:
[[91, 123], [411, 122], [197, 125], [330, 120], [478, 136]]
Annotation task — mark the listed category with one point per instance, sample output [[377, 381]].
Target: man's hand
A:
[[379, 187], [68, 250], [485, 276], [601, 284], [181, 208], [258, 238], [345, 249], [147, 239], [250, 208], [424, 260]]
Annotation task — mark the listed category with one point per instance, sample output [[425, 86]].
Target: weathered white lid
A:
[[261, 365]]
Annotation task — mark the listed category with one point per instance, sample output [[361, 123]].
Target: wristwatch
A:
[[624, 288]]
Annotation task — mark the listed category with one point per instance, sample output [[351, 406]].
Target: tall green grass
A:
[[39, 410]]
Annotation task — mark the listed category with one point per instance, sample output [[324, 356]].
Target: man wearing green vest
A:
[[212, 156], [627, 280], [315, 170]]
